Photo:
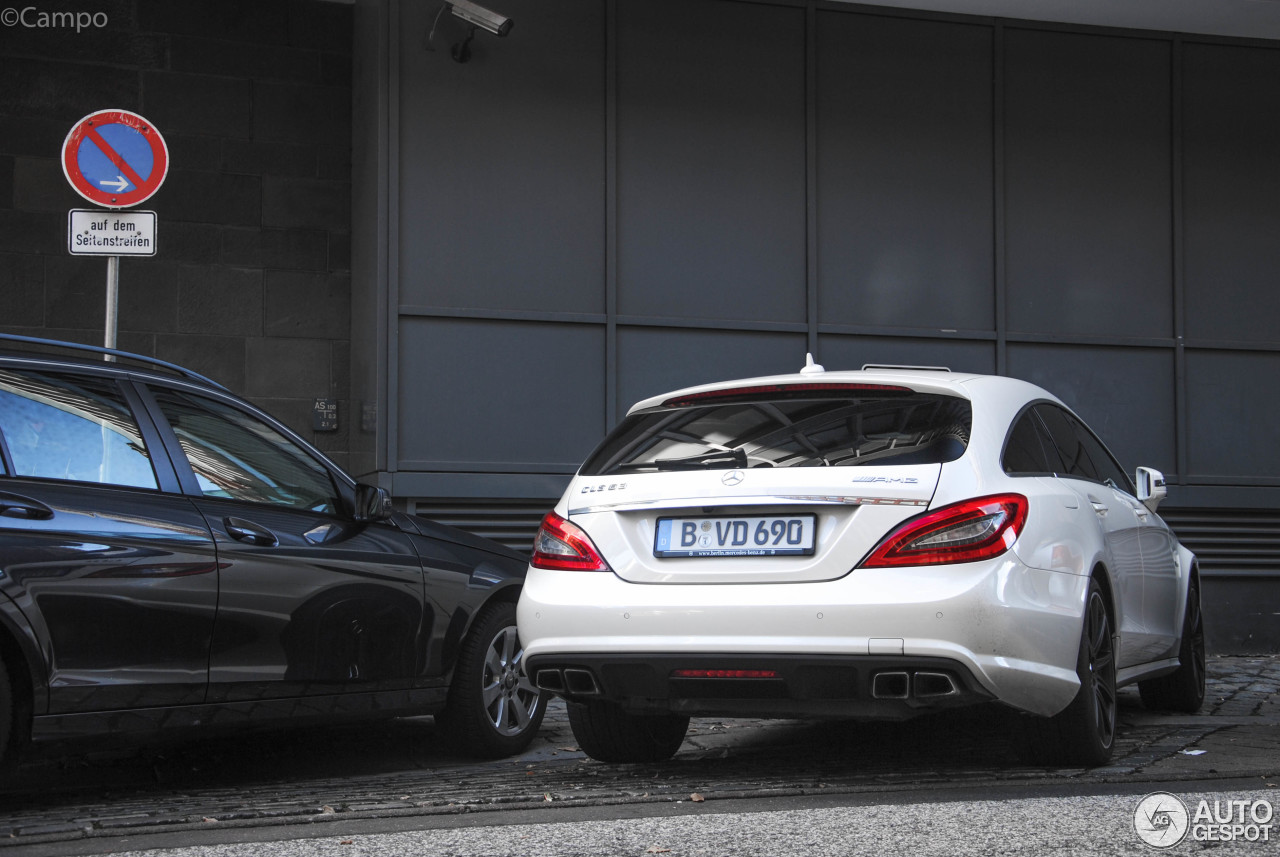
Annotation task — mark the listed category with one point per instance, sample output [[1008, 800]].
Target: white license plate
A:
[[763, 535]]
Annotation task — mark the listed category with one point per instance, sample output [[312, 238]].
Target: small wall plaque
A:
[[324, 415]]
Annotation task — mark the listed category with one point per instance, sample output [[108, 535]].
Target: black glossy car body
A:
[[172, 557]]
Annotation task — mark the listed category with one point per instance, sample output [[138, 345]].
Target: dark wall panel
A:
[[1231, 174], [1126, 395], [499, 395], [1233, 407], [502, 161], [711, 160], [653, 360], [904, 140], [1088, 192], [853, 352]]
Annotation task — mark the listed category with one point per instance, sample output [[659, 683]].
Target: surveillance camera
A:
[[479, 16]]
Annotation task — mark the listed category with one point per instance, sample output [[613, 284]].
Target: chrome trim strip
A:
[[750, 499]]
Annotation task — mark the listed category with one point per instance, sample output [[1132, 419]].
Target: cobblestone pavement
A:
[[398, 768]]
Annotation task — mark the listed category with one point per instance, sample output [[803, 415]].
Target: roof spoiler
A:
[[866, 366]]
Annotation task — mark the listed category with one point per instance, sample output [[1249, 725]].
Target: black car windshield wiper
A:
[[730, 457]]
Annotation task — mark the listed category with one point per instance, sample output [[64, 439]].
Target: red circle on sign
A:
[[122, 184]]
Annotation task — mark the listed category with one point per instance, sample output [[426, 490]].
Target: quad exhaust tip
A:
[[891, 685], [551, 681], [932, 685], [896, 684], [575, 682]]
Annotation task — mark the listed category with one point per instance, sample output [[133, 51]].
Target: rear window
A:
[[874, 429]]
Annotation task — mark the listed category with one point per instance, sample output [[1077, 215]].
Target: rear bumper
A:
[[883, 688], [1011, 630]]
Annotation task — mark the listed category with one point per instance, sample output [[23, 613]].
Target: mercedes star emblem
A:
[[733, 477]]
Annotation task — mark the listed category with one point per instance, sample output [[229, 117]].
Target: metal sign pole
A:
[[113, 304]]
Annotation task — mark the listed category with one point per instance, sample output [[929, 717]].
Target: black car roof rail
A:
[[98, 349]]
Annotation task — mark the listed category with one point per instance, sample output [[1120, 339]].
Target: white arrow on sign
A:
[[120, 184]]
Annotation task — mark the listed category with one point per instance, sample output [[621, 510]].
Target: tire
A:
[[608, 734], [8, 740], [1182, 690], [1083, 733], [493, 709]]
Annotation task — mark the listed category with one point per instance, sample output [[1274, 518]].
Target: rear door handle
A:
[[17, 506], [1099, 507], [249, 532]]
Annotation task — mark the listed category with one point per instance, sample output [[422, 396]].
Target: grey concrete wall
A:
[[251, 282], [628, 196]]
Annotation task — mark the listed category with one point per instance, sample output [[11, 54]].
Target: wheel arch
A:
[[465, 615], [22, 661], [1103, 576]]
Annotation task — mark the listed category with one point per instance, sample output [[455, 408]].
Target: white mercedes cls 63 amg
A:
[[866, 544]]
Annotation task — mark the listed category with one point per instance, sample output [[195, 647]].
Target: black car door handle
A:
[[17, 506], [249, 532]]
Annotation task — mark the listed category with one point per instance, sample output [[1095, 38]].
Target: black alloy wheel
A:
[[1084, 732], [1183, 689]]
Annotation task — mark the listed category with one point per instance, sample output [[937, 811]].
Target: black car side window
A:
[[1076, 460], [72, 427], [1083, 454], [1109, 470], [1029, 450], [234, 455]]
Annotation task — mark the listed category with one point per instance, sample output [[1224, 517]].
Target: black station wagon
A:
[[171, 557]]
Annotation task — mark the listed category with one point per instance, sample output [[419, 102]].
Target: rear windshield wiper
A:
[[731, 457]]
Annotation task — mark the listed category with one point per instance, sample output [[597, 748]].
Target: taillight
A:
[[564, 546], [962, 532]]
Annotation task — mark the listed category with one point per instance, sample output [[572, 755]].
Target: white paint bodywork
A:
[[1014, 621]]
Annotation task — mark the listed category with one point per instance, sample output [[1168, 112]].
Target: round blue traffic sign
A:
[[115, 158]]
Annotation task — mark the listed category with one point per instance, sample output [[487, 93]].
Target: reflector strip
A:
[[724, 674]]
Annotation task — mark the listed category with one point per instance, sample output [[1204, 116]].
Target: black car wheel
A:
[[493, 709], [608, 734], [1084, 732], [1182, 690]]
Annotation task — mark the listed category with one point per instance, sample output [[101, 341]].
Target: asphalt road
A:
[[947, 782], [1090, 824]]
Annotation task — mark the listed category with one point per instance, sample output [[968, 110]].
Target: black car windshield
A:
[[870, 429]]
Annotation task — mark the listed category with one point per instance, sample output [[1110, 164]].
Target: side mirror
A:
[[1151, 487], [372, 504]]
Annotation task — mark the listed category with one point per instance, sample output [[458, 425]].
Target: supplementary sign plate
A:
[[111, 233]]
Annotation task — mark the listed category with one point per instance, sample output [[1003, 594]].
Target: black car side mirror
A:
[[372, 504]]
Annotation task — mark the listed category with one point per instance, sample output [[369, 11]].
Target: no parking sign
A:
[[115, 158]]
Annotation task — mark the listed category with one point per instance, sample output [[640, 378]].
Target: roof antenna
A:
[[811, 368]]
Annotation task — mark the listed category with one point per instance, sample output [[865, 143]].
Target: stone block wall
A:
[[251, 281]]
